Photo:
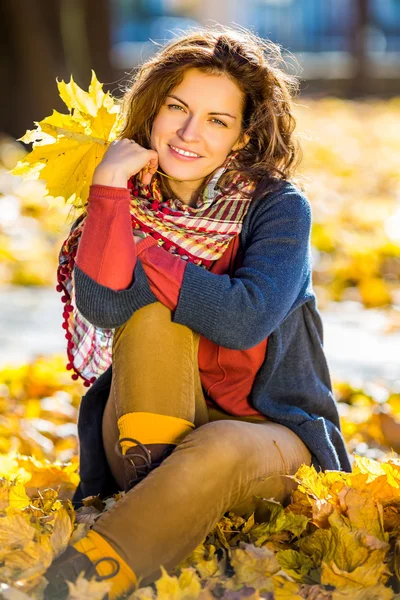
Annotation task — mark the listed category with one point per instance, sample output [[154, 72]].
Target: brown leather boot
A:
[[67, 567], [139, 460]]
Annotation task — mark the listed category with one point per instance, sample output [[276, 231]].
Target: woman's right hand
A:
[[123, 159]]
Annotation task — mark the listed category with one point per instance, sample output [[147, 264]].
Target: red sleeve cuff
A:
[[147, 242], [165, 273], [108, 191]]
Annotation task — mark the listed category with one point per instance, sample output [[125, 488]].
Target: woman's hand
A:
[[123, 159]]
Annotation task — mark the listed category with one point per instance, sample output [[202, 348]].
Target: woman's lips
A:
[[181, 156]]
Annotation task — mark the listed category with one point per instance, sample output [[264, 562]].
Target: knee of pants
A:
[[269, 447], [153, 323], [151, 316], [218, 445]]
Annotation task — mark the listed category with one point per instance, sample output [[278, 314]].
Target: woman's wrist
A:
[[110, 177]]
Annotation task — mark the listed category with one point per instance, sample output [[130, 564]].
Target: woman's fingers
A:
[[126, 156], [148, 171]]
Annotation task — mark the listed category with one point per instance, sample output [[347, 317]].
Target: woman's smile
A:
[[178, 153]]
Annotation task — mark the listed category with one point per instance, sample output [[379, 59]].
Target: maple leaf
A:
[[41, 474], [32, 533], [12, 495], [87, 515], [15, 531], [67, 148], [320, 512], [254, 567], [376, 592], [205, 559], [279, 520], [90, 589], [363, 512], [380, 480], [62, 531], [294, 563], [28, 562], [346, 556], [319, 485], [285, 588], [186, 587]]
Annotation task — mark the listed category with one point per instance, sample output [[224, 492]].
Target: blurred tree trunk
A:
[[42, 40], [359, 48]]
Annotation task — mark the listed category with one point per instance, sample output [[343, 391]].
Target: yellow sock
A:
[[95, 547], [152, 428]]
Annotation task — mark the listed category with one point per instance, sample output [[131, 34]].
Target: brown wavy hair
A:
[[273, 152]]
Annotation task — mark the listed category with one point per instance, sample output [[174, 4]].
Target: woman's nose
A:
[[190, 131]]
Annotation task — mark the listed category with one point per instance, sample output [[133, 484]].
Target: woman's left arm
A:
[[239, 312]]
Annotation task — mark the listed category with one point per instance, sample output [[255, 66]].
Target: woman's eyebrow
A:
[[211, 113]]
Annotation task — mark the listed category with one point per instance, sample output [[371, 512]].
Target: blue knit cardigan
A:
[[271, 294]]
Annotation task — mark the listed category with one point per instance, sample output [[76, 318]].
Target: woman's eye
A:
[[178, 106], [174, 105], [222, 123]]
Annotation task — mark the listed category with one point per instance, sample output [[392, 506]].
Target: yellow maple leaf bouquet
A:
[[68, 147]]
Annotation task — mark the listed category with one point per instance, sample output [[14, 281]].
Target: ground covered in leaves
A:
[[338, 538]]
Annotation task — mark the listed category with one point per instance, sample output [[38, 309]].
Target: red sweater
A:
[[108, 252]]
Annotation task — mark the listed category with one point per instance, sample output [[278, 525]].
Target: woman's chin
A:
[[181, 174]]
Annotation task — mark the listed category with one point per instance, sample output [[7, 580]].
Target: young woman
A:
[[189, 291]]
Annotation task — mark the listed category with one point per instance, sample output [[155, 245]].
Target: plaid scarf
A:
[[199, 234]]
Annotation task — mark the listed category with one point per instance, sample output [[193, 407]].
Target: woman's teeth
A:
[[185, 153]]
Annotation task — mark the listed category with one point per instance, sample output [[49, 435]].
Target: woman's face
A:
[[202, 115]]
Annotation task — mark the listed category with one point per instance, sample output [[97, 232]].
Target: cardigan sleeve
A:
[[239, 312]]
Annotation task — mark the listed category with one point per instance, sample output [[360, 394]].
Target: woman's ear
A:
[[241, 144]]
